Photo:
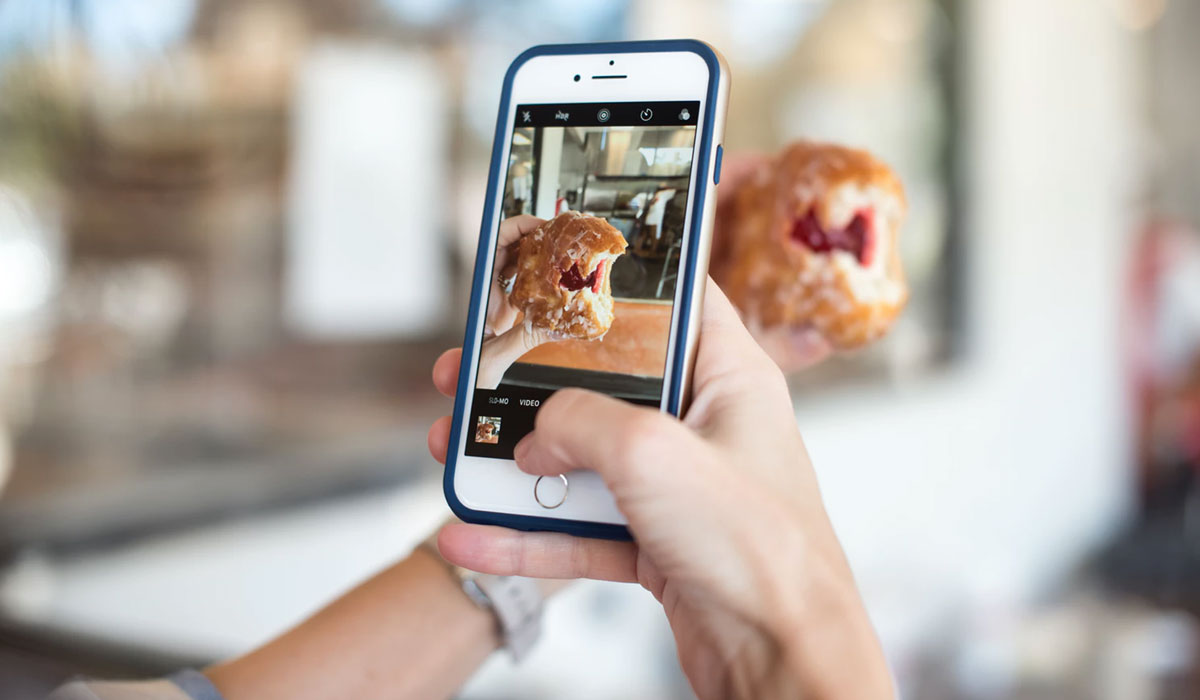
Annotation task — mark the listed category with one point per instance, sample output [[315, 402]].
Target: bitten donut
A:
[[562, 281], [810, 241]]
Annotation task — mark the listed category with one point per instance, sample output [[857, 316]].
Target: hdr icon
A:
[[562, 115]]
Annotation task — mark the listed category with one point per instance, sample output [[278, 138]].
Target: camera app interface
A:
[[587, 259]]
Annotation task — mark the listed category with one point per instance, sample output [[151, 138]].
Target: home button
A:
[[550, 491]]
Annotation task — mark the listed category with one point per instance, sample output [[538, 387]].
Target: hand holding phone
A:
[[729, 530], [591, 263]]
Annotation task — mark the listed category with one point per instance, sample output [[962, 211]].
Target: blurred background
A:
[[234, 235]]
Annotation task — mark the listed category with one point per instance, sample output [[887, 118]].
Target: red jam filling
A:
[[857, 238], [598, 276], [573, 281]]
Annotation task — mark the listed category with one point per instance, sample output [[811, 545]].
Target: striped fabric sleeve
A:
[[184, 685]]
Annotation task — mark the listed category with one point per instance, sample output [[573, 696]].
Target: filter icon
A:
[[685, 115]]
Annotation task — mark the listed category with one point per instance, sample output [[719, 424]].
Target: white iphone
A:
[[625, 132]]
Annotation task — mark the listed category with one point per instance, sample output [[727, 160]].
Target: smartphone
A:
[[629, 132]]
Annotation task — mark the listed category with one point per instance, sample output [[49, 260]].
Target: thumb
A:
[[726, 349], [512, 228], [735, 384]]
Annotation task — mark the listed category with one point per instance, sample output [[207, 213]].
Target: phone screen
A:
[[630, 164]]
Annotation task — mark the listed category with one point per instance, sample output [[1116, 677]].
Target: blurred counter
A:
[[635, 344]]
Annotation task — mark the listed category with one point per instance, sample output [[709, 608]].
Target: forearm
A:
[[838, 659], [409, 632], [827, 643]]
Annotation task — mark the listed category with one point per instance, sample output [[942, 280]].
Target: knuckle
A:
[[771, 375], [761, 374], [518, 557], [579, 560], [645, 439]]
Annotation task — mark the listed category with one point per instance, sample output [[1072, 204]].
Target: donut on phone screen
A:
[[810, 242], [562, 282]]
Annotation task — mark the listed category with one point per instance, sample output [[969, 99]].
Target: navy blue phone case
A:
[[479, 285]]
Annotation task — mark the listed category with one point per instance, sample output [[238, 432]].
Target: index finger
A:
[[505, 552], [445, 372]]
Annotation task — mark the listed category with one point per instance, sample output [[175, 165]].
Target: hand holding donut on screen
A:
[[563, 279], [500, 313], [554, 283], [504, 341]]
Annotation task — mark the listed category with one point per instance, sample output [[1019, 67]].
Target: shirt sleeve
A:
[[184, 685]]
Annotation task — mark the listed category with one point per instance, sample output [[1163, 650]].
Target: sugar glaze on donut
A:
[[563, 276]]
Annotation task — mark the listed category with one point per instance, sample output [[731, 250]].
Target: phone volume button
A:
[[717, 166]]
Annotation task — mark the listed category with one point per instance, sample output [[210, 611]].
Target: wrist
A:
[[450, 590], [516, 603], [823, 635]]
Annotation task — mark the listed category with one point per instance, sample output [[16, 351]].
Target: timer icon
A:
[[646, 114]]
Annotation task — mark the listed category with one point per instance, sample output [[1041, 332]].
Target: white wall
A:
[[980, 487]]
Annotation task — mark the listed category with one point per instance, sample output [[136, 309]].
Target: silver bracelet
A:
[[515, 601]]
